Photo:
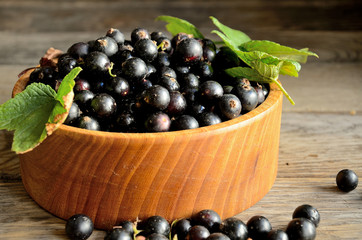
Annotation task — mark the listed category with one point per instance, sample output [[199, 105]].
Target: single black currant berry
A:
[[145, 49], [81, 85], [78, 50], [117, 35], [121, 56], [168, 72], [125, 122], [189, 80], [207, 218], [277, 234], [301, 228], [177, 103], [103, 105], [157, 35], [234, 228], [117, 87], [230, 106], [180, 69], [157, 236], [185, 122], [139, 33], [259, 90], [307, 211], [152, 70], [134, 69], [198, 232], [181, 228], [247, 95], [46, 75], [258, 227], [156, 97], [204, 70], [83, 99], [79, 227], [208, 54], [217, 236], [189, 51], [208, 119], [208, 43], [195, 108], [158, 122], [97, 63], [66, 63], [73, 115], [162, 60], [106, 45], [170, 83], [346, 180], [89, 123], [126, 226], [179, 38], [118, 234], [157, 224], [211, 90], [140, 86], [164, 44]]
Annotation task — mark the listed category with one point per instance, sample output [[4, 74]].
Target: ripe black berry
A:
[[157, 224], [97, 63], [189, 51], [170, 83], [118, 234], [78, 50], [157, 35], [125, 122], [145, 49], [211, 90], [117, 35], [158, 122], [73, 115], [217, 236], [88, 122], [301, 228], [177, 103], [46, 75], [81, 84], [164, 44], [234, 228], [181, 228], [185, 122], [79, 227], [126, 226], [156, 236], [134, 69], [208, 118], [207, 218], [117, 87], [277, 235], [247, 95], [107, 45], [139, 33], [204, 70], [198, 232], [208, 54], [258, 227], [83, 99], [259, 90], [162, 60], [230, 106], [307, 211], [189, 80], [347, 180], [103, 105], [156, 97]]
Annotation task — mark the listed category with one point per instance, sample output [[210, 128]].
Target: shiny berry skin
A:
[[208, 119], [258, 227], [170, 83], [164, 44], [126, 226], [83, 99], [211, 90], [107, 45], [73, 115], [234, 228], [134, 69], [145, 49], [117, 87], [218, 236], [158, 122], [157, 35], [198, 232], [139, 33], [207, 218], [277, 235], [185, 122], [247, 95], [97, 63], [162, 60], [66, 63], [259, 90], [208, 43], [46, 75], [117, 35], [118, 234], [301, 229], [179, 38], [177, 103], [88, 122], [229, 106], [307, 211], [208, 54], [168, 72], [156, 236], [125, 122], [103, 105], [78, 50], [81, 84], [189, 80], [79, 227], [156, 97], [204, 70], [189, 51], [157, 224], [347, 180], [181, 228]]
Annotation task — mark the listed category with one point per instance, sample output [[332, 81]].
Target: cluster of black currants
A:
[[205, 225], [152, 83]]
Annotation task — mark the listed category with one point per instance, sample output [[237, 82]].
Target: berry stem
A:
[[110, 70], [284, 91]]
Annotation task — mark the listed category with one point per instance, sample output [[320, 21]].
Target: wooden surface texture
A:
[[320, 135]]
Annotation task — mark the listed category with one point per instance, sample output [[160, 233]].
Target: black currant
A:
[[134, 69], [179, 38], [217, 236], [125, 122], [46, 75], [79, 227], [301, 228], [88, 122], [234, 228], [259, 90], [189, 51], [180, 69], [204, 70], [211, 90], [258, 227], [208, 43], [156, 35], [229, 106], [117, 87], [117, 35], [126, 226], [164, 44], [247, 95], [66, 63], [197, 232], [181, 228], [81, 84], [156, 97], [168, 72], [207, 218], [139, 33], [177, 103], [307, 211], [83, 99], [156, 236], [156, 224], [103, 105], [277, 235], [170, 83], [97, 63], [162, 60], [145, 49], [78, 50], [226, 58], [158, 122], [346, 180], [118, 234], [73, 115], [107, 45], [208, 54], [189, 80]]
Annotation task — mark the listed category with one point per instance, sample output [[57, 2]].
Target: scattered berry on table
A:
[[347, 180], [301, 228], [79, 227], [258, 227], [307, 211]]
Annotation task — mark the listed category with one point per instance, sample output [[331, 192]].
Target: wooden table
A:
[[320, 135]]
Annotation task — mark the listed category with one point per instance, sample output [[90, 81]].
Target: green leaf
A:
[[275, 49], [235, 36], [36, 112], [290, 68], [176, 25]]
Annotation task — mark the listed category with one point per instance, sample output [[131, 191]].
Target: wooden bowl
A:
[[112, 177]]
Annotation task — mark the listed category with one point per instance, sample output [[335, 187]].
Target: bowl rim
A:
[[274, 96]]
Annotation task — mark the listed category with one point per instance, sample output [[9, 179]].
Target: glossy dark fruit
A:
[[121, 56], [198, 232], [195, 108], [227, 89], [156, 97], [218, 236], [145, 49], [208, 43], [258, 227], [125, 122], [83, 99], [301, 229], [66, 63], [107, 45], [207, 218], [234, 228], [134, 69], [170, 83], [189, 80], [116, 34], [259, 90], [177, 104], [162, 60], [189, 51], [247, 95], [208, 54], [139, 33], [46, 75], [152, 70], [156, 236], [117, 87], [277, 234], [142, 85], [211, 90], [158, 122], [181, 228], [88, 122], [242, 81], [208, 119], [180, 69], [230, 106], [79, 227], [204, 70], [307, 211], [156, 35], [347, 180], [157, 224], [81, 84], [118, 234], [168, 72], [126, 226], [97, 63], [103, 105], [164, 44], [78, 50], [179, 38], [73, 115], [190, 94]]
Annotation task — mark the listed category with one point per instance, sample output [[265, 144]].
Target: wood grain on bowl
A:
[[110, 177]]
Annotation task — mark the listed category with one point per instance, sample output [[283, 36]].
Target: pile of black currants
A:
[[152, 83], [205, 225]]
